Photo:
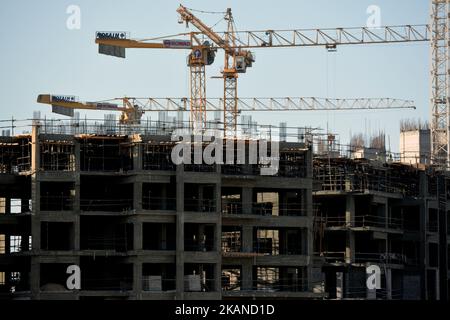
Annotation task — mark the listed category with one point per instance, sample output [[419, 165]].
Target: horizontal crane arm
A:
[[72, 103], [277, 104], [244, 104], [132, 44], [331, 37]]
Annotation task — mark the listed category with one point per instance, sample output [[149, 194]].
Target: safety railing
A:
[[113, 205], [159, 203], [57, 203], [158, 284], [200, 205], [264, 209], [107, 284], [362, 221], [118, 244], [265, 285]]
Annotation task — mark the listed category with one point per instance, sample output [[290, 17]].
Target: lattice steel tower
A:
[[440, 82]]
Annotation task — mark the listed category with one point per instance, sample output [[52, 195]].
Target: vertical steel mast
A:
[[440, 90]]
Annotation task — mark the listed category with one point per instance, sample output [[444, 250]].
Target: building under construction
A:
[[141, 227]]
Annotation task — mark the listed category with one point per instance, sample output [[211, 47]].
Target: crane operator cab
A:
[[202, 55], [243, 60]]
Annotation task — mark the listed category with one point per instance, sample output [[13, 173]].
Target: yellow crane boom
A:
[[132, 108], [237, 57]]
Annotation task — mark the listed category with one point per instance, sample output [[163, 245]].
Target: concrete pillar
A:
[[164, 197], [200, 202], [247, 200], [350, 236], [180, 232], [247, 275], [137, 156], [247, 239], [137, 196], [218, 232], [35, 277], [137, 235], [76, 196], [137, 280], [339, 285], [388, 277], [201, 237], [423, 187], [163, 237]]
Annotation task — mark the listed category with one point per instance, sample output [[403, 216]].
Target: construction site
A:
[[282, 213]]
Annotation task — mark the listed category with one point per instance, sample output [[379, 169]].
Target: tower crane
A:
[[237, 56], [132, 108]]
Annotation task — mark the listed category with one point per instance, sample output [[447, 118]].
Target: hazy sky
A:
[[41, 55]]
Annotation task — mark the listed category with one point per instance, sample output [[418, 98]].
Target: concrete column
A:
[[164, 197], [75, 234], [388, 277], [180, 233], [247, 274], [218, 232], [137, 196], [423, 186], [35, 280], [77, 156], [247, 200], [137, 280], [137, 235], [201, 238], [76, 208], [163, 237], [137, 157], [350, 236], [247, 239], [339, 285]]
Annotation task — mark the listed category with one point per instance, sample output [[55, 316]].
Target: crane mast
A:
[[440, 86], [236, 61]]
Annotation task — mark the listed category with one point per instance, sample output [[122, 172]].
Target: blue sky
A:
[[40, 55]]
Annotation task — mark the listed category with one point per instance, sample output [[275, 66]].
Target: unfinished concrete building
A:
[[391, 215], [140, 227]]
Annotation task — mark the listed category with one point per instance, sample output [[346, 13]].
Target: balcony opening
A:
[[199, 277], [113, 154], [159, 236], [199, 198], [285, 241], [110, 194], [106, 274], [231, 278], [159, 196], [57, 196], [57, 155], [199, 237], [231, 239], [57, 236], [158, 277], [53, 277], [157, 156], [105, 233]]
